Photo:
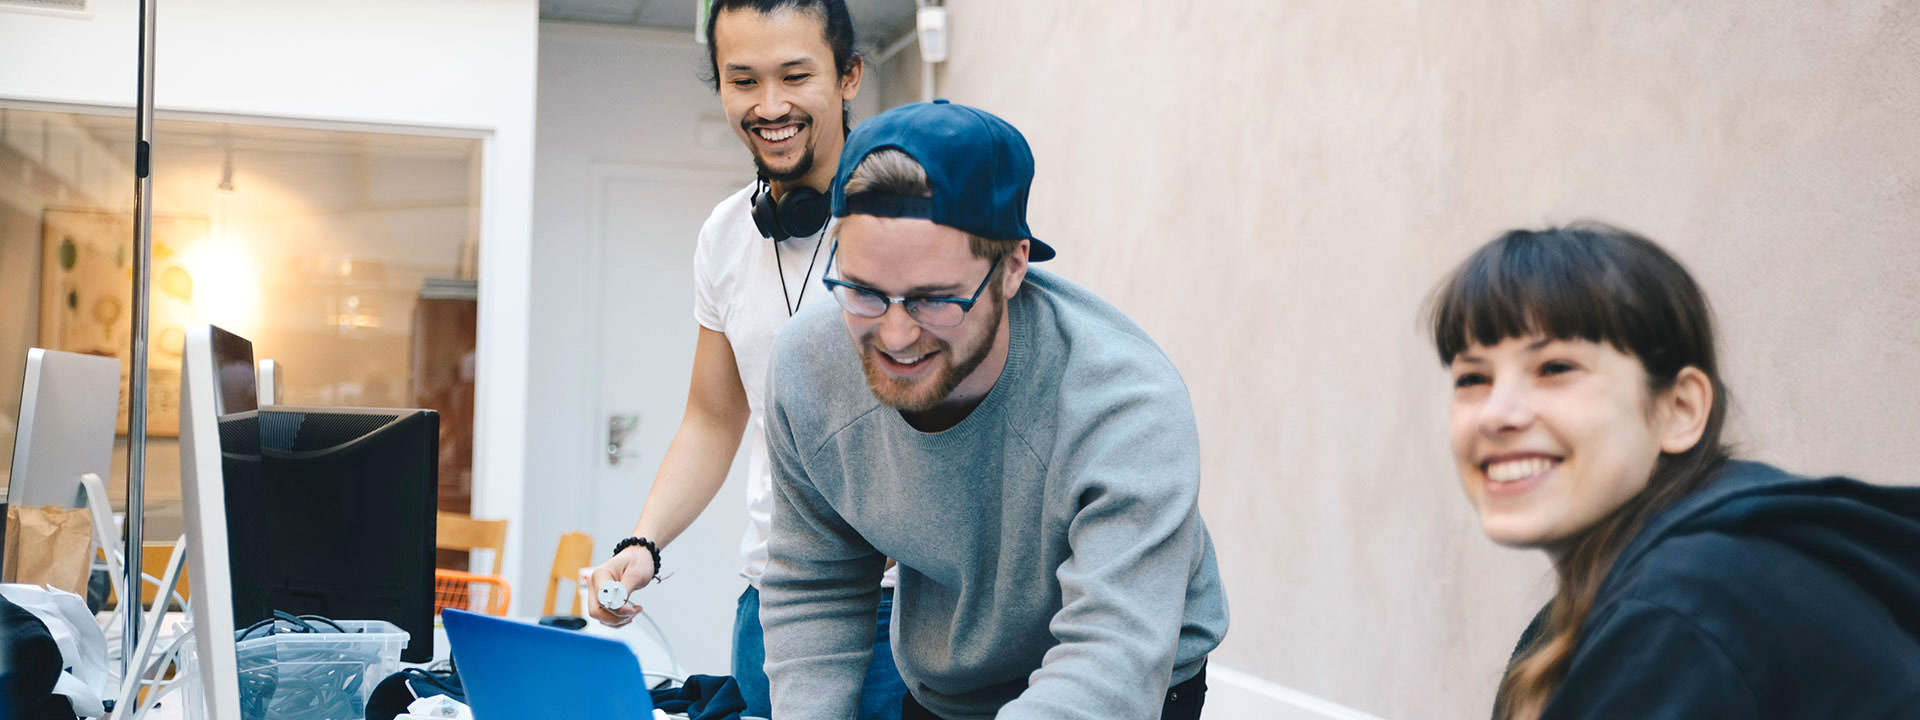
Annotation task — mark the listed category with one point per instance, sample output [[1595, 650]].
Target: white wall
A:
[[609, 98], [465, 64], [1284, 182], [615, 102]]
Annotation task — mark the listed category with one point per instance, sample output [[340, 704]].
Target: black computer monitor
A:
[[354, 493]]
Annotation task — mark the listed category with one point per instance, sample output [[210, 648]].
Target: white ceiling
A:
[[877, 22]]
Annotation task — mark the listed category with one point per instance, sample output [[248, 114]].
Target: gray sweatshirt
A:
[[1053, 563]]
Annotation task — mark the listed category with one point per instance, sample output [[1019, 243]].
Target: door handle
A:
[[619, 425]]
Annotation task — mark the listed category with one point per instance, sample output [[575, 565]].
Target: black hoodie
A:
[[1765, 595]]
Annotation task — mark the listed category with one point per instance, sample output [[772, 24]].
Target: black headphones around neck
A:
[[801, 214]]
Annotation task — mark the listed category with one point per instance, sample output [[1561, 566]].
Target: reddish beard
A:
[[922, 394]]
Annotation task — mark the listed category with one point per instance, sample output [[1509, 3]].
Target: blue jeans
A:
[[879, 698]]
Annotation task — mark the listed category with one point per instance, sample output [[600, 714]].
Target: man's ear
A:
[[1016, 274], [850, 83]]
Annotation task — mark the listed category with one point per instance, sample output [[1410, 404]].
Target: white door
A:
[[647, 220]]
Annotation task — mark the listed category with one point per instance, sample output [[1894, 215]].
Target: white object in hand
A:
[[613, 595]]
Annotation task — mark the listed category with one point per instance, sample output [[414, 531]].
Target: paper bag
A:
[[49, 546]]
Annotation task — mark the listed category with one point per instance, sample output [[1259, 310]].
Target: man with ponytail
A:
[[1587, 421], [784, 71]]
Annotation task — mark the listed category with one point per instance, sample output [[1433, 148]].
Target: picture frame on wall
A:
[[86, 298]]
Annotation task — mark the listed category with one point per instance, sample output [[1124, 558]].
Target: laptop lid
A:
[[515, 670]]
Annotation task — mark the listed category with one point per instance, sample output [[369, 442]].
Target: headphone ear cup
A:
[[804, 212], [766, 215]]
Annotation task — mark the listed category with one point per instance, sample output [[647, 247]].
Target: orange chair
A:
[[469, 591], [465, 590], [575, 552]]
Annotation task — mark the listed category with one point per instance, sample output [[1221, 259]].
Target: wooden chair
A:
[[458, 588], [575, 552]]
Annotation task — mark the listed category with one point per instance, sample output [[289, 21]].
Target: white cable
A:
[[114, 650], [137, 667], [162, 688], [174, 655], [177, 597], [672, 658], [158, 689], [670, 677]]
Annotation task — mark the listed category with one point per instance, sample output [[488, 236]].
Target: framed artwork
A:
[[86, 298]]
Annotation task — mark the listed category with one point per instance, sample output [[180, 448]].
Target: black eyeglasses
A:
[[933, 312]]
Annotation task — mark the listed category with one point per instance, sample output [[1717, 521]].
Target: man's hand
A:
[[633, 568]]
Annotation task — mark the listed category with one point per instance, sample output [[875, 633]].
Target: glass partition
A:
[[347, 255]]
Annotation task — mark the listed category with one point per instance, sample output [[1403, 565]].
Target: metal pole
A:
[[137, 385]]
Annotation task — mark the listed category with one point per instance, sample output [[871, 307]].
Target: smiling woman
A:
[[1587, 419], [1590, 376]]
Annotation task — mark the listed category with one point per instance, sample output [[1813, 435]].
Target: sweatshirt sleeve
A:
[[1644, 660], [1131, 463], [820, 593]]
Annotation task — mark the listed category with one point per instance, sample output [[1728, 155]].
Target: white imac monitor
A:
[[220, 476], [67, 413]]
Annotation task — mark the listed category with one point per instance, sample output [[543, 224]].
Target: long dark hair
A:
[[1598, 283], [838, 34]]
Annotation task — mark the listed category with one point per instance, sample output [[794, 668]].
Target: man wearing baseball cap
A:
[[1024, 451]]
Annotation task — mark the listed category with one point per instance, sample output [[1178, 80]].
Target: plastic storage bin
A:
[[312, 676]]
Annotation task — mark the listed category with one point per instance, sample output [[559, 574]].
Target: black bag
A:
[[30, 665]]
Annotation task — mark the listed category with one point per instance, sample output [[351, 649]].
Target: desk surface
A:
[[638, 636]]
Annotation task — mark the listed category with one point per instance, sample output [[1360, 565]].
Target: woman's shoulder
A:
[[1780, 601], [1757, 531], [1712, 574]]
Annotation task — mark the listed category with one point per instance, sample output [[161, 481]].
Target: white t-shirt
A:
[[736, 291]]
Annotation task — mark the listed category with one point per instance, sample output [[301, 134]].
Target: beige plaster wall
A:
[[1272, 188], [899, 77]]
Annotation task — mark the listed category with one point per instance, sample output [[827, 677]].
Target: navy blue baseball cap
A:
[[978, 166]]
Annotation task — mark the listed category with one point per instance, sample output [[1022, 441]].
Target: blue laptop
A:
[[516, 671]]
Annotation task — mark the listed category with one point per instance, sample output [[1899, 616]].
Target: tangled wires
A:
[[309, 678]]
